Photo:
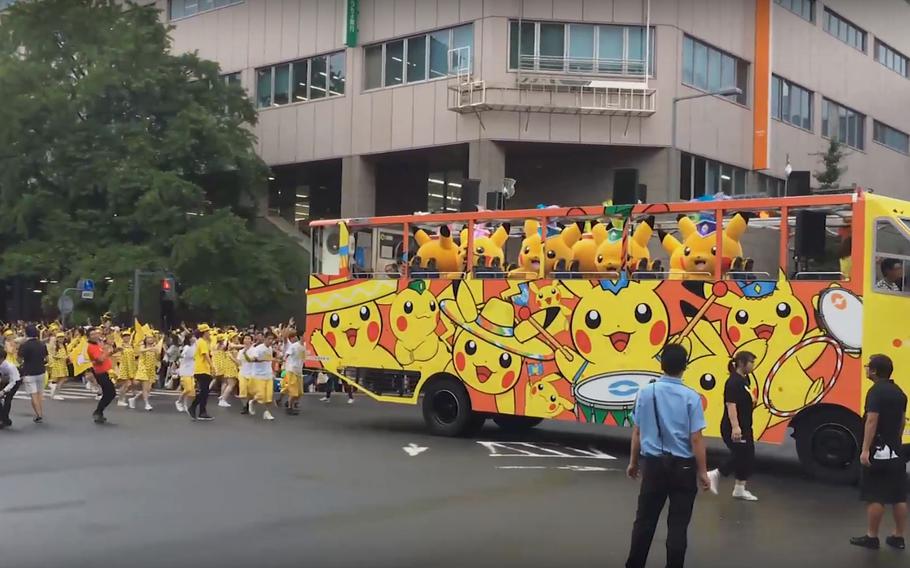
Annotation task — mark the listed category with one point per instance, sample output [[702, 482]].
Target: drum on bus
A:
[[610, 395]]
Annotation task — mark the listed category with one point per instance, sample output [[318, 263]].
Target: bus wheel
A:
[[447, 409], [516, 424], [828, 443]]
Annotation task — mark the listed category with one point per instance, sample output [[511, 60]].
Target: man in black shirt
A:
[[884, 477], [33, 369]]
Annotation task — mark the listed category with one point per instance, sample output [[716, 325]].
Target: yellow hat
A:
[[203, 327], [8, 333], [60, 335], [343, 293]]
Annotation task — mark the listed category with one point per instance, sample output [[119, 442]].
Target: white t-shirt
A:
[[261, 368], [9, 374], [293, 358], [187, 361], [245, 368]]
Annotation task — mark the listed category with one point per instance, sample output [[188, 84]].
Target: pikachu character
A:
[[543, 297], [351, 322], [609, 257], [558, 248], [414, 319], [616, 325], [542, 399], [767, 320], [531, 253], [489, 348], [489, 251], [706, 372], [696, 255], [436, 253], [584, 251]]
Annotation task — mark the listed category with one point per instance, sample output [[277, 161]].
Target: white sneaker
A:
[[325, 399], [179, 405], [97, 397], [223, 403], [266, 415], [132, 402], [58, 397], [744, 495], [122, 402], [350, 401], [148, 406], [713, 480]]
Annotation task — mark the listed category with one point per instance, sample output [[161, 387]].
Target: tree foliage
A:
[[116, 154], [832, 171]]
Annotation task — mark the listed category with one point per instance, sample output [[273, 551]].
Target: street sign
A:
[[352, 11], [65, 305], [88, 285], [88, 294]]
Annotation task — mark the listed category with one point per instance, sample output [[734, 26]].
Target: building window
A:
[[805, 9], [183, 8], [419, 58], [845, 31], [770, 186], [580, 48], [890, 58], [444, 191], [791, 103], [302, 80], [843, 124], [890, 137], [710, 69], [700, 177], [4, 4]]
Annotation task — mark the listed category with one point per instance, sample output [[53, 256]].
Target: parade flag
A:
[[343, 248], [79, 357]]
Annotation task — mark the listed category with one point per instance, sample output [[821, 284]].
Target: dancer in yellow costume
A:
[[261, 384], [146, 370], [244, 372], [126, 368], [294, 353], [229, 370], [58, 372]]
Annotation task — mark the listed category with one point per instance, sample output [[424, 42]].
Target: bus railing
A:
[[748, 275], [819, 276]]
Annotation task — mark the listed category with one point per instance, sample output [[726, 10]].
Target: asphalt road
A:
[[334, 487]]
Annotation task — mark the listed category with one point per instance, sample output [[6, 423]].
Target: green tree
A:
[[832, 171], [116, 154]]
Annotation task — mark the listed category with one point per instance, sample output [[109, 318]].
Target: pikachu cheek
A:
[[460, 361], [373, 331], [797, 326]]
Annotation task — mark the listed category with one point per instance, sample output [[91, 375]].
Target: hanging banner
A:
[[351, 14]]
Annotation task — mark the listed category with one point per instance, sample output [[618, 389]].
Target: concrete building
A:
[[572, 98]]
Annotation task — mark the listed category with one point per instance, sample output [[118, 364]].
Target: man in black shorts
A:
[[884, 476]]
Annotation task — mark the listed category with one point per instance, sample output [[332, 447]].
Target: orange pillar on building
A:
[[762, 104]]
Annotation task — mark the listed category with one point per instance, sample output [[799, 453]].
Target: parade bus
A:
[[562, 312]]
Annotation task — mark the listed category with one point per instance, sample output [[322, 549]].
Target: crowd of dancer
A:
[[126, 363]]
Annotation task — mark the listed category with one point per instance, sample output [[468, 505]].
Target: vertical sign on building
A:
[[762, 108], [351, 13]]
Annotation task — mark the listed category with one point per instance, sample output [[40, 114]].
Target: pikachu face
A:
[[543, 400], [414, 315], [484, 366], [486, 249], [440, 250], [769, 311], [351, 329], [622, 324], [609, 256], [698, 250], [546, 296], [531, 253]]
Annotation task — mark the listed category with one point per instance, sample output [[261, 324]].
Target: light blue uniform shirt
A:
[[681, 415]]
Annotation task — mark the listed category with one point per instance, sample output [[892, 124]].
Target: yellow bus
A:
[[562, 313]]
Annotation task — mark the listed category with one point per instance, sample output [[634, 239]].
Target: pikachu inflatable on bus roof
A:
[[489, 247], [696, 256], [436, 253], [609, 255], [616, 325], [555, 249]]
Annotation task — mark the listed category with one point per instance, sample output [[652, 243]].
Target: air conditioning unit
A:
[[331, 262]]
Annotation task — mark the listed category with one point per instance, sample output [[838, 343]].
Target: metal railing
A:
[[583, 66]]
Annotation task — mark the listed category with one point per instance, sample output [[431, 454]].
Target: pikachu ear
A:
[[782, 283], [421, 237], [552, 378], [643, 232], [464, 299], [736, 227], [600, 233], [531, 227], [686, 226], [501, 235], [571, 234]]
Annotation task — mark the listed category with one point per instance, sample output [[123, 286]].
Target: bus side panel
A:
[[581, 349], [885, 327]]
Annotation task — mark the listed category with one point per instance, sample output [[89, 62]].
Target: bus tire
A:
[[447, 408], [516, 424], [828, 443]]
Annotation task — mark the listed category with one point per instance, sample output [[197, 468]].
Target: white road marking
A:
[[579, 468], [542, 450], [414, 450]]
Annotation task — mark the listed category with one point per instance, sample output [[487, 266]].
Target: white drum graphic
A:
[[611, 394], [840, 313]]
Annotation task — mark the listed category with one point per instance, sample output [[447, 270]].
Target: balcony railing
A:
[[583, 66]]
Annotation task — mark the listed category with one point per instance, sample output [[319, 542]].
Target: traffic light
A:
[[168, 289]]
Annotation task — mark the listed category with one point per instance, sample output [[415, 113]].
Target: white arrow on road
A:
[[413, 449]]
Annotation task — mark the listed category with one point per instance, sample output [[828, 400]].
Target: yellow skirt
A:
[[188, 386], [290, 384], [260, 390]]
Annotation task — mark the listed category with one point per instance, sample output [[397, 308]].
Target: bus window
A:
[[759, 257], [892, 257], [325, 250], [389, 251], [360, 253], [817, 241]]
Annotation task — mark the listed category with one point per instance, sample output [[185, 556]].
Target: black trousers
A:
[[7, 402], [203, 384], [741, 462], [108, 392], [659, 483]]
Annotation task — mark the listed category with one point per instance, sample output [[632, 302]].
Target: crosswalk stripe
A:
[[79, 393]]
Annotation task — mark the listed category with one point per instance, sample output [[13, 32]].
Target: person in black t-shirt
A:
[[33, 369], [736, 428], [884, 476]]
